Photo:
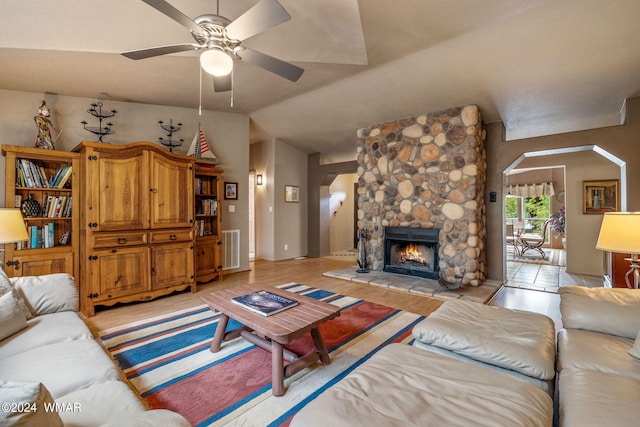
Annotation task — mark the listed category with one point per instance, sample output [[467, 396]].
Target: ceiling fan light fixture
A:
[[216, 62]]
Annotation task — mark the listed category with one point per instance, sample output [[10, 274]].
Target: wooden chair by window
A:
[[535, 243]]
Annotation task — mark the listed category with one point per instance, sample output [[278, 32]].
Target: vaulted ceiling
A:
[[540, 66]]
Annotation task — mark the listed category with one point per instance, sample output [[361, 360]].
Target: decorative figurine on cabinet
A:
[[44, 125]]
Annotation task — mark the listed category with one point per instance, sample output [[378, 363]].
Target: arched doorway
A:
[[581, 163]]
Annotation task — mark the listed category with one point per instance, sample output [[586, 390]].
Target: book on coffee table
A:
[[264, 302]]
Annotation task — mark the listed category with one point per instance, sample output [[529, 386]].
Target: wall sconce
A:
[[259, 179]]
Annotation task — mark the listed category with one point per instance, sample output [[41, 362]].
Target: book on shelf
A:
[[63, 177], [264, 302], [32, 175]]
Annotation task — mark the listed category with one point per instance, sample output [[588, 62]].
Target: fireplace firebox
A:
[[411, 251]]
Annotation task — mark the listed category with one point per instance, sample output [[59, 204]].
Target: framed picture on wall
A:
[[231, 191], [292, 193], [600, 196]]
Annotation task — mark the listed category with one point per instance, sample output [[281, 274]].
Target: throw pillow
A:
[[49, 293], [11, 318], [635, 350], [7, 287], [29, 403]]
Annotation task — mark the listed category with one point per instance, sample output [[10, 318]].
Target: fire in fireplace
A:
[[411, 251]]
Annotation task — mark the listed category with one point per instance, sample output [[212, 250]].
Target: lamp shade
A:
[[216, 62], [620, 232], [12, 227]]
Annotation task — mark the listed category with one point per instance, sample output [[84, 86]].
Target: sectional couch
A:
[[52, 370], [457, 374]]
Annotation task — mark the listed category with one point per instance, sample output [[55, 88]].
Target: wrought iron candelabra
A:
[[96, 111], [170, 129]]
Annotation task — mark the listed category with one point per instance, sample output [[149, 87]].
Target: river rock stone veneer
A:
[[427, 171]]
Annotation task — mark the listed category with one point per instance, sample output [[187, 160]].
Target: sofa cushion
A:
[[521, 341], [49, 293], [402, 385], [62, 367], [546, 385], [27, 401], [11, 318], [113, 403], [614, 311], [580, 349], [44, 330], [592, 398], [99, 403], [6, 286]]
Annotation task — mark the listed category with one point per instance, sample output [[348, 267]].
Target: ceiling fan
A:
[[221, 40]]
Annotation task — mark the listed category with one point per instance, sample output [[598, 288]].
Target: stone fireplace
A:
[[426, 172]]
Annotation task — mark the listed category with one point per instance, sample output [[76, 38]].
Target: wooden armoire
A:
[[136, 223]]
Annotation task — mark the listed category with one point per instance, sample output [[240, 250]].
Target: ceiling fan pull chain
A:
[[232, 87], [200, 103]]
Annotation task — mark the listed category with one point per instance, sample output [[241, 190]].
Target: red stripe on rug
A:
[[210, 391], [350, 322]]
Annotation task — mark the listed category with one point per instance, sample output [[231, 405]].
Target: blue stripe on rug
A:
[[144, 353]]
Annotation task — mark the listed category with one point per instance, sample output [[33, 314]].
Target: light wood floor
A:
[[307, 271]]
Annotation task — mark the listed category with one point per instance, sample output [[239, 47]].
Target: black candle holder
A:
[[170, 129], [96, 111]]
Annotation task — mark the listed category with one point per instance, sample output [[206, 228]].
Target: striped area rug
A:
[[167, 359]]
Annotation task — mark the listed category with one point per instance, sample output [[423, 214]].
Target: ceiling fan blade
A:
[[275, 65], [222, 83], [175, 14], [261, 17], [160, 50]]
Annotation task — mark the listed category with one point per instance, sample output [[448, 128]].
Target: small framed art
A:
[[600, 196], [292, 193], [231, 191]]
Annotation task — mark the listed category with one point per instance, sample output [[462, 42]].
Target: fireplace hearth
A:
[[411, 251]]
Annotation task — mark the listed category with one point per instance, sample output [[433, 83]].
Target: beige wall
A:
[[227, 133], [279, 223], [342, 222], [262, 160], [621, 141]]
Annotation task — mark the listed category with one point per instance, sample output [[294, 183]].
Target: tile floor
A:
[[546, 278]]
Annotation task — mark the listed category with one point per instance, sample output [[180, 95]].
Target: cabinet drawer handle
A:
[[173, 237], [122, 240], [153, 190]]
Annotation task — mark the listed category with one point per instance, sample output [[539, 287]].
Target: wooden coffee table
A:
[[272, 332]]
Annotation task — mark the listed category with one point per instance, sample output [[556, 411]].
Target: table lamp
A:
[[620, 232], [12, 228]]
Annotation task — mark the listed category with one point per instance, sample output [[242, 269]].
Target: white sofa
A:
[[53, 356], [599, 357]]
